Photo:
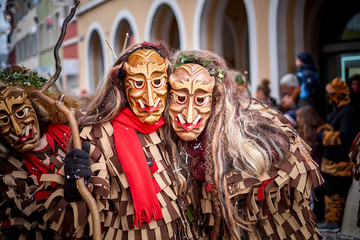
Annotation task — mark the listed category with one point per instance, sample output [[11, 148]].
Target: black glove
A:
[[76, 165]]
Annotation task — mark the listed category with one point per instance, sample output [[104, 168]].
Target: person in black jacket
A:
[[336, 137], [354, 85]]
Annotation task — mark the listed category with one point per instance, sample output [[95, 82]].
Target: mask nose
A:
[[15, 126], [190, 114], [150, 95]]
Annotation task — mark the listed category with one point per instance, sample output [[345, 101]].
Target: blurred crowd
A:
[[330, 137]]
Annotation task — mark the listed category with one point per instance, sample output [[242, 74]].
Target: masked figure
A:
[[133, 178], [33, 144], [248, 168], [19, 124], [336, 137], [191, 93], [146, 84]]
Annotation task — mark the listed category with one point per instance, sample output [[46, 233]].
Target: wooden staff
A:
[[83, 190]]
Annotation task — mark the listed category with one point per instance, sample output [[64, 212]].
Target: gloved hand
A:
[[76, 165]]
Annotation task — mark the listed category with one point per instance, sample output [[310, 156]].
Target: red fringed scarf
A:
[[133, 161], [55, 133]]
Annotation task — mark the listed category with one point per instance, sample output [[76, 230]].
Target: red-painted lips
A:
[[23, 138], [149, 109], [188, 126]]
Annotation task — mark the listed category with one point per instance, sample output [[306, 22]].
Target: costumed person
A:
[[308, 79], [132, 177], [254, 172], [34, 141], [336, 137]]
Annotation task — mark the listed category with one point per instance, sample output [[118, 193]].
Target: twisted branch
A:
[[83, 190]]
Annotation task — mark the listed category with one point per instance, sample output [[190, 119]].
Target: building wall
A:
[[104, 25], [4, 30], [49, 17], [24, 40]]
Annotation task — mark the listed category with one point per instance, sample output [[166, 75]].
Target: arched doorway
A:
[[224, 29], [333, 42], [164, 27], [123, 28], [96, 60]]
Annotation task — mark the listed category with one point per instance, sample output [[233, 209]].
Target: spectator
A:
[[308, 120], [263, 93], [308, 79], [336, 137], [289, 87], [354, 85]]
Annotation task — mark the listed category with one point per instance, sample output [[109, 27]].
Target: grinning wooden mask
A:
[[146, 84], [18, 121], [191, 98]]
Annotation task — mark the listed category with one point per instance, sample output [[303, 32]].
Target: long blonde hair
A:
[[111, 98], [241, 138]]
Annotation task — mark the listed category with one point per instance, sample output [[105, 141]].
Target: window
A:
[[34, 44]]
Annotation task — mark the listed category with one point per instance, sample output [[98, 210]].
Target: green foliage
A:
[[190, 59], [204, 62], [22, 76]]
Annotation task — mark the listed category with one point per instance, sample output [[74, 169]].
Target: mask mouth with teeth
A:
[[18, 120], [191, 99], [146, 84]]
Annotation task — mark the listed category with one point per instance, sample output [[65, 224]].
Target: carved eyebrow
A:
[[144, 68], [192, 84]]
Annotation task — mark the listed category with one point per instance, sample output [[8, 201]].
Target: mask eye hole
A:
[[181, 99], [139, 84], [157, 83], [200, 101], [22, 113], [5, 120]]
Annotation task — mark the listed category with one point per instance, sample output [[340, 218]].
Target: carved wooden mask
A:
[[191, 98], [18, 121], [145, 84]]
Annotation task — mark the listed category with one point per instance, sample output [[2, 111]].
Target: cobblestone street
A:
[[337, 236]]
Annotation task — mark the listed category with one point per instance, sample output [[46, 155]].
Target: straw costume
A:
[[132, 178], [251, 171], [33, 144]]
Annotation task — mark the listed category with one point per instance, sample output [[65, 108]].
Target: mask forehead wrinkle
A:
[[10, 98], [12, 101], [146, 69], [196, 77], [145, 62], [3, 106]]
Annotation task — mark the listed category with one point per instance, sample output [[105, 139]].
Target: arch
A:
[[95, 36], [176, 10], [124, 20], [273, 49], [232, 31], [299, 26], [254, 70], [220, 16], [224, 30], [281, 33], [197, 24], [204, 24]]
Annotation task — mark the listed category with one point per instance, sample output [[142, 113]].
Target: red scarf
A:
[[55, 132], [133, 161]]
